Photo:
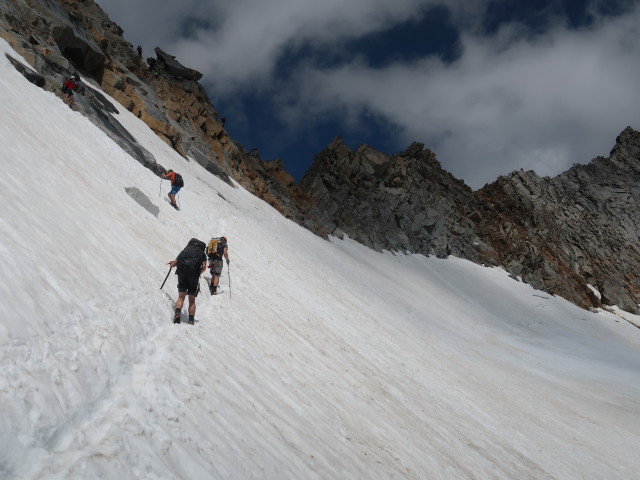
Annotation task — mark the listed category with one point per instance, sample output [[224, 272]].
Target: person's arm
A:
[[226, 254], [175, 262], [203, 267]]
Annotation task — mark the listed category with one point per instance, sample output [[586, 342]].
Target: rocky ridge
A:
[[573, 235], [404, 202], [572, 232], [62, 37]]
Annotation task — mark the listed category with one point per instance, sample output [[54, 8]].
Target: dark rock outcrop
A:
[[78, 48], [176, 68], [402, 202], [28, 73], [580, 228]]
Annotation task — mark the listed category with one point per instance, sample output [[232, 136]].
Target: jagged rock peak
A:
[[175, 67], [401, 202], [574, 232], [414, 150], [627, 147]]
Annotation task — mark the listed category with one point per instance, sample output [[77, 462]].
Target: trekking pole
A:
[[165, 278], [160, 194], [229, 275]]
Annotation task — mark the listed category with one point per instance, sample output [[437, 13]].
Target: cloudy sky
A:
[[490, 85]]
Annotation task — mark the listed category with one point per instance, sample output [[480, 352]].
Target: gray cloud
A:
[[254, 34], [150, 22], [246, 37], [510, 101]]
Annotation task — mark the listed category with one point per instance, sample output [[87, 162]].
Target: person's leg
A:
[[211, 290], [192, 291], [216, 271], [219, 264], [180, 301], [192, 306], [172, 194]]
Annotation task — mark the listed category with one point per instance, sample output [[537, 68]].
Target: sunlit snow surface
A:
[[324, 360]]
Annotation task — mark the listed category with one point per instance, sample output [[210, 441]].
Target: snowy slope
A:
[[324, 360]]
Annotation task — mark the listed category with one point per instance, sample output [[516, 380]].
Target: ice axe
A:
[[165, 278]]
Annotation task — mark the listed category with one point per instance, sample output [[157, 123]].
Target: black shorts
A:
[[189, 284], [67, 91]]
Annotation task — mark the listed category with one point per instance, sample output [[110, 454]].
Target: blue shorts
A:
[[174, 190]]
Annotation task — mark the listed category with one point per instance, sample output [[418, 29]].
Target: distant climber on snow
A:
[[176, 184], [216, 250], [190, 263], [67, 88]]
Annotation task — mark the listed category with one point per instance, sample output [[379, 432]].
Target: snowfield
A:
[[319, 360]]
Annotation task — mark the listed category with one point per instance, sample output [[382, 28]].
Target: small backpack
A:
[[179, 182], [191, 260], [212, 248]]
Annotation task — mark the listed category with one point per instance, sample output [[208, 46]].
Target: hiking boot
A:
[[212, 290], [191, 320], [176, 317]]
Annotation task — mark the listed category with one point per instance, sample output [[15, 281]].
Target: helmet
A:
[[72, 77], [224, 239], [169, 171]]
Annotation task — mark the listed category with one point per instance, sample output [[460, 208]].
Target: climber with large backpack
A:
[[216, 250], [190, 263], [176, 184]]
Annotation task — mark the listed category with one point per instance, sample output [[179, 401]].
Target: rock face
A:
[[577, 229], [566, 235], [403, 202], [175, 68], [63, 37], [570, 235]]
